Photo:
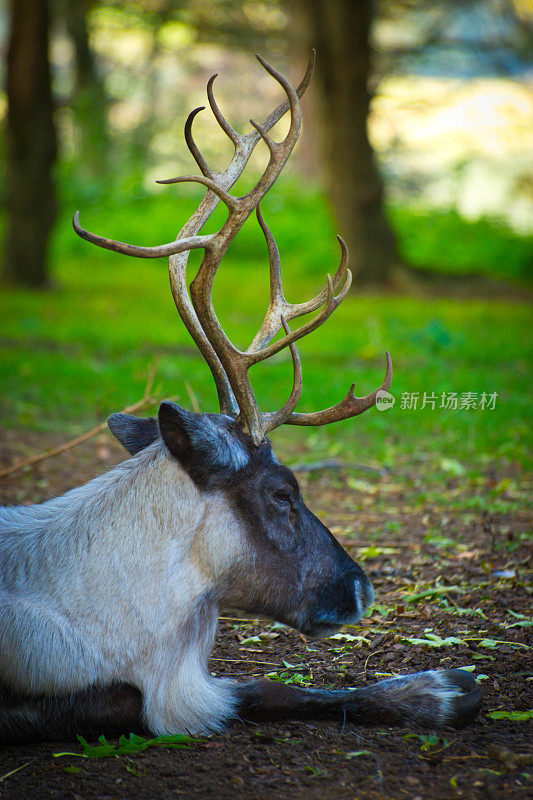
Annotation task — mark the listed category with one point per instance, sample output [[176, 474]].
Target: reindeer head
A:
[[287, 564]]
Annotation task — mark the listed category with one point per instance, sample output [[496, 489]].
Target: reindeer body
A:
[[109, 595], [120, 581], [104, 586]]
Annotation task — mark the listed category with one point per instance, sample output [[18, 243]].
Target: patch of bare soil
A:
[[439, 573]]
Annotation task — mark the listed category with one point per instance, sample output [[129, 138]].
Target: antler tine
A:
[[252, 138], [268, 140], [279, 151], [276, 115], [292, 96], [278, 305], [299, 309], [219, 116], [178, 246], [331, 304], [275, 419], [231, 201], [350, 406], [193, 147]]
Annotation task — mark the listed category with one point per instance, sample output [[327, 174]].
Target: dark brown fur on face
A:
[[308, 580]]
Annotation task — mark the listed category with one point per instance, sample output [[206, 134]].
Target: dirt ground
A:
[[471, 569]]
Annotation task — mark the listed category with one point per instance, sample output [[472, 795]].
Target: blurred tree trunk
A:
[[75, 13], [340, 30], [30, 146], [89, 100]]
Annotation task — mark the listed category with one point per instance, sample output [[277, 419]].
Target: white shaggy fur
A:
[[105, 582]]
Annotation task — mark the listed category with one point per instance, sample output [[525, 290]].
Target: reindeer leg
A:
[[114, 709], [436, 698]]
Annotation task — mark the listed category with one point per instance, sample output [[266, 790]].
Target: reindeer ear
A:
[[201, 442], [176, 425], [133, 433]]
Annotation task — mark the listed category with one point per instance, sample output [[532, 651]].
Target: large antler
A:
[[228, 364]]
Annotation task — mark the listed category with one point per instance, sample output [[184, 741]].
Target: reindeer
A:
[[110, 594]]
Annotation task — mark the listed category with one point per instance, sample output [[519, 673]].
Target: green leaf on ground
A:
[[430, 741], [523, 621], [251, 640], [452, 467], [432, 640], [135, 744], [374, 552], [434, 592], [297, 678], [513, 716], [357, 753]]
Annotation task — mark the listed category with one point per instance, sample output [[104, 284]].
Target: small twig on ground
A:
[[146, 400], [192, 397], [373, 653], [319, 465], [12, 772], [246, 661]]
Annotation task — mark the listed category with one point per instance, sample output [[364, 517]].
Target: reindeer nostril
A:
[[369, 594], [364, 594]]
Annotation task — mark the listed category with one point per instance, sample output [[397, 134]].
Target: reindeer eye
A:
[[282, 497]]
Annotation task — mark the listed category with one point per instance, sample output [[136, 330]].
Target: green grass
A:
[[75, 354]]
